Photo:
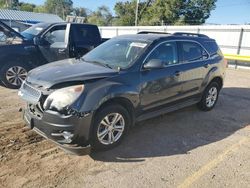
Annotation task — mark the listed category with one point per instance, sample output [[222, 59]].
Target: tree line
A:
[[150, 12]]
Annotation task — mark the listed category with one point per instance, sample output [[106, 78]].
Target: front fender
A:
[[97, 94]]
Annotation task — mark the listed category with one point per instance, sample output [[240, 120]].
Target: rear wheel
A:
[[13, 74], [210, 97], [110, 126]]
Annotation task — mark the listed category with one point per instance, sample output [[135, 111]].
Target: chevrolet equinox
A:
[[93, 101]]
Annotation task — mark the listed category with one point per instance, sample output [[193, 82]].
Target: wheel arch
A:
[[122, 101], [214, 75], [218, 80]]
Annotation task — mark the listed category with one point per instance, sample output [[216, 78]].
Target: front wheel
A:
[[110, 126], [13, 74], [210, 97]]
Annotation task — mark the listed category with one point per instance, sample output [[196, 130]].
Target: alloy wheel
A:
[[211, 97], [111, 128], [16, 75]]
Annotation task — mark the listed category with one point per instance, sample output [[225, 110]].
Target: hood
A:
[[67, 71], [5, 28]]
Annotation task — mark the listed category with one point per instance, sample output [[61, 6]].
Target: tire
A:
[[209, 97], [101, 142], [2, 84], [12, 74]]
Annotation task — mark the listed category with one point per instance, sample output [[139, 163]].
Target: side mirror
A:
[[154, 64]]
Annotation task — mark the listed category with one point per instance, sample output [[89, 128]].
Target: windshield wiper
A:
[[99, 63], [107, 65]]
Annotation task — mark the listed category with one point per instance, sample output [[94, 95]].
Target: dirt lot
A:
[[187, 148]]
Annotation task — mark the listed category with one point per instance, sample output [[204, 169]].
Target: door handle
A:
[[207, 65], [61, 51], [177, 73]]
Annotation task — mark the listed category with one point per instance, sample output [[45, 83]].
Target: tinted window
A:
[[211, 46], [166, 52], [191, 51], [56, 34], [87, 33]]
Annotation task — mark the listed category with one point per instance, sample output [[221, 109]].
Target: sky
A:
[[226, 12]]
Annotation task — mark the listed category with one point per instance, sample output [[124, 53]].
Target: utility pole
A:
[[136, 12]]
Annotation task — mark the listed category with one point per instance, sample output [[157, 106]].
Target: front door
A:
[[161, 86], [54, 43]]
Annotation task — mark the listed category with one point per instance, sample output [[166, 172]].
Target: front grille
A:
[[29, 93]]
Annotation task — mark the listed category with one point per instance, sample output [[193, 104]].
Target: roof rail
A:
[[151, 32], [190, 34]]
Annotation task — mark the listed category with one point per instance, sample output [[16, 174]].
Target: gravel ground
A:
[[186, 148]]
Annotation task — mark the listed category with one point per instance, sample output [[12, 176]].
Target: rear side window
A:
[[166, 52], [211, 47], [191, 51], [85, 33]]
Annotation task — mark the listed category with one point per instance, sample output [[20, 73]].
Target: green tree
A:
[[9, 4], [2, 3], [40, 9], [80, 11], [26, 7], [170, 12], [14, 4], [162, 11], [196, 12], [60, 7], [101, 17], [125, 11]]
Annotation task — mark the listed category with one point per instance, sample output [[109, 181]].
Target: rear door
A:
[[195, 61], [54, 43]]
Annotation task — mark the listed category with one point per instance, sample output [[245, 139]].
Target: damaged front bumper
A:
[[71, 133]]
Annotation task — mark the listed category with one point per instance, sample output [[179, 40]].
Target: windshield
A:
[[117, 53], [34, 30]]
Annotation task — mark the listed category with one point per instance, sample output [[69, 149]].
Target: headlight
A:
[[62, 98]]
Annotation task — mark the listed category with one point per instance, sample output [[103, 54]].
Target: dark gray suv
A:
[[92, 102]]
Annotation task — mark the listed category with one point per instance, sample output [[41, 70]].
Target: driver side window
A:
[[166, 52], [56, 34]]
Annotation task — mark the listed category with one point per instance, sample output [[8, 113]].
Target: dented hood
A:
[[66, 71]]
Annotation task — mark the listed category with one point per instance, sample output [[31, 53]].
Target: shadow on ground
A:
[[184, 130]]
